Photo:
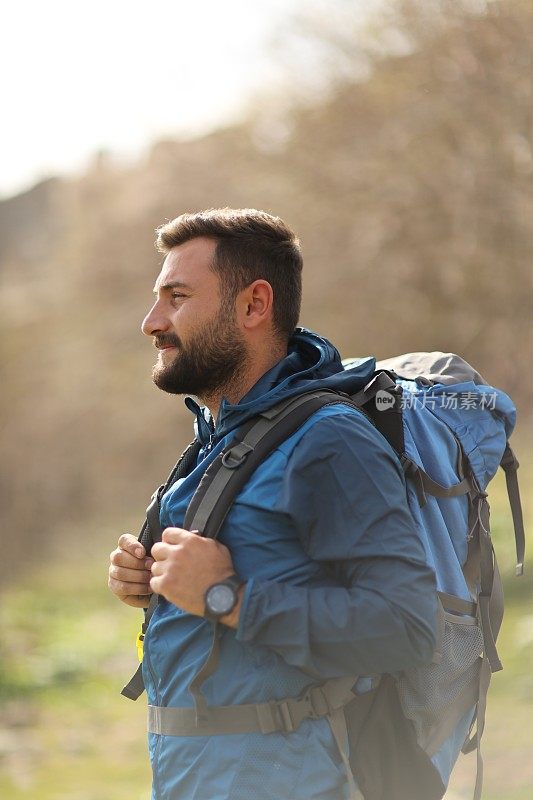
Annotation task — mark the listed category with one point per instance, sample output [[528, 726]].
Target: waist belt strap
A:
[[270, 717]]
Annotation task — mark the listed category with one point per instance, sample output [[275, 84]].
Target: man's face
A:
[[201, 349]]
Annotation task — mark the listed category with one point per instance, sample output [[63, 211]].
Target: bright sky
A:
[[118, 74]]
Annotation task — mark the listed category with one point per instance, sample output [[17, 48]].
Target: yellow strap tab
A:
[[140, 643]]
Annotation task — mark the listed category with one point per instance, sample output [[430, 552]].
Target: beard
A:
[[211, 360]]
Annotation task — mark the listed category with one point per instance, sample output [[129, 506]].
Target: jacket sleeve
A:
[[344, 491]]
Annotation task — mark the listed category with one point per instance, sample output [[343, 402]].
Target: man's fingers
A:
[[171, 537], [131, 544], [129, 575], [126, 588], [137, 600], [162, 550], [158, 568], [121, 558], [177, 535]]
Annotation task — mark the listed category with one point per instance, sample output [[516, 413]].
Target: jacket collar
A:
[[311, 363]]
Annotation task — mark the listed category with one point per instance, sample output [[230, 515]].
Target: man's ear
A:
[[255, 304]]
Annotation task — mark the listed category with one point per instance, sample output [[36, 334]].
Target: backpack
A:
[[450, 431]]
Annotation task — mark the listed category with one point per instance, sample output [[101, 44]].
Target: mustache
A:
[[166, 340]]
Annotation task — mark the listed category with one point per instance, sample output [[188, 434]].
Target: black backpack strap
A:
[[425, 485], [151, 530], [135, 686], [509, 464], [382, 381], [489, 613], [228, 473], [387, 419], [150, 533], [490, 599]]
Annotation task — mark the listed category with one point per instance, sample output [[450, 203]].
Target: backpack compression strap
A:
[[509, 464]]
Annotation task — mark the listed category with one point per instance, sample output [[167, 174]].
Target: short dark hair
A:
[[251, 245]]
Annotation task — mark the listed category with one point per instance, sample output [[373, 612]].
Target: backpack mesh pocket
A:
[[435, 696]]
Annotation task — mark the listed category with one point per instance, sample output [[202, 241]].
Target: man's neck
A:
[[243, 381]]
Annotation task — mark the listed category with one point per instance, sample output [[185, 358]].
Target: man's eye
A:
[[175, 295]]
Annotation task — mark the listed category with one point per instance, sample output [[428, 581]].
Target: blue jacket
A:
[[336, 584]]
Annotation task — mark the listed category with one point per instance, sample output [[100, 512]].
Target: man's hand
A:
[[185, 566], [129, 573]]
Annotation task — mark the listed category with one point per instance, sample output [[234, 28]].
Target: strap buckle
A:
[[236, 456], [275, 716], [319, 702], [287, 715]]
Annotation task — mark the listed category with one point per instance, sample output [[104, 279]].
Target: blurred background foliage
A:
[[401, 153]]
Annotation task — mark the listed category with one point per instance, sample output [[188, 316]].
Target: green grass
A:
[[67, 647], [66, 733]]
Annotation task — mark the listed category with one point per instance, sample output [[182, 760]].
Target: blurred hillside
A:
[[412, 192]]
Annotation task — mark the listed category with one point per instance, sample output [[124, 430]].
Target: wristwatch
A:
[[221, 598]]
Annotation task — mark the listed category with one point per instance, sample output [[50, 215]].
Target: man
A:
[[332, 579]]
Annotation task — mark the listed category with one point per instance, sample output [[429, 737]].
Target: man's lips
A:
[[161, 344]]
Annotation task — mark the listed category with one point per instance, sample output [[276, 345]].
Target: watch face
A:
[[220, 599]]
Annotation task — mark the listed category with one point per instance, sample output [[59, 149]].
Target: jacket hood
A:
[[311, 363]]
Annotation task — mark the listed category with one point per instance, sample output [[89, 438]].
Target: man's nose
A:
[[155, 321]]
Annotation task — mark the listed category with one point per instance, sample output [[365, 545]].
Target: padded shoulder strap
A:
[[226, 476], [229, 472]]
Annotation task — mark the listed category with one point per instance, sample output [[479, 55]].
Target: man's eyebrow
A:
[[171, 285]]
